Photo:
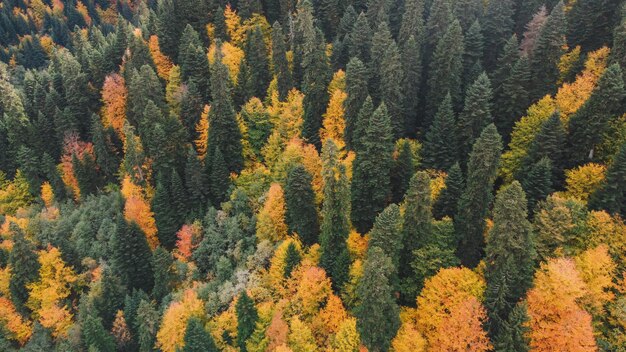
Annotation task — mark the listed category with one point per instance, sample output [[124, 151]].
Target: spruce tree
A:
[[106, 157], [497, 28], [219, 25], [476, 114], [511, 97], [386, 235], [162, 262], [514, 334], [165, 216], [446, 203], [131, 257], [446, 69], [547, 53], [469, 222], [280, 63], [335, 226], [538, 182], [391, 89], [356, 89], [247, 317], [371, 187], [300, 201], [197, 339], [178, 197], [314, 86], [219, 177], [417, 230], [256, 57], [361, 124], [360, 39], [440, 18], [95, 336], [618, 50], [24, 268], [224, 132], [402, 170], [510, 256], [381, 40], [195, 183], [292, 259], [593, 21], [472, 57], [377, 315], [588, 125], [549, 143], [411, 57], [412, 24], [440, 146], [194, 64], [611, 196], [341, 43]]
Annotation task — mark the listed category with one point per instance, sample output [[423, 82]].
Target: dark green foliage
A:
[[391, 94], [371, 186], [143, 86], [195, 184], [588, 125], [412, 24], [86, 174], [361, 125], [497, 28], [356, 88], [247, 317], [335, 226], [427, 261], [169, 27], [292, 259], [179, 200], [316, 78], [440, 18], [446, 69], [224, 133], [163, 276], [194, 64], [29, 165], [95, 336], [511, 85], [24, 268], [219, 25], [446, 203], [256, 58], [402, 171], [440, 146], [111, 297], [611, 196], [197, 339], [510, 256], [301, 213], [538, 182], [131, 257], [549, 143], [416, 229], [411, 57], [146, 325], [360, 39], [594, 22], [472, 58], [386, 235], [547, 53], [514, 334], [279, 61], [381, 40], [219, 177], [164, 214], [104, 150], [476, 114], [191, 106], [377, 316], [474, 203], [618, 50]]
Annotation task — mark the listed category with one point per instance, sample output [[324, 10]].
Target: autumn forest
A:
[[313, 175]]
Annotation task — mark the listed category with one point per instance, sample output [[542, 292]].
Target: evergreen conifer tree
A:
[[316, 78], [197, 339], [256, 57], [446, 203], [131, 257], [497, 28], [402, 171], [280, 63], [300, 201], [165, 216], [440, 146], [411, 56], [247, 317], [538, 182], [219, 178], [611, 196], [472, 57], [476, 114], [360, 39], [24, 269], [292, 259], [391, 89], [356, 89]]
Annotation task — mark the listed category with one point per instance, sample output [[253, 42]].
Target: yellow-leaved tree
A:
[[271, 219], [137, 209], [170, 337]]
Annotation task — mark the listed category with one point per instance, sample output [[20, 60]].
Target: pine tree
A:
[[472, 57], [476, 114], [497, 28], [178, 197], [511, 97], [611, 196], [411, 82], [335, 226], [224, 132], [197, 339], [391, 89], [219, 25], [446, 203], [247, 317], [593, 23], [549, 143], [510, 256], [164, 215], [588, 125], [538, 182], [356, 89], [440, 147], [301, 210], [316, 78], [95, 336], [417, 230], [386, 235], [341, 43], [106, 157], [131, 257], [52, 174], [412, 24], [24, 268], [469, 222], [219, 178], [327, 13], [377, 316], [547, 53], [280, 63], [618, 50], [85, 172], [440, 18], [402, 171], [371, 187], [446, 69]]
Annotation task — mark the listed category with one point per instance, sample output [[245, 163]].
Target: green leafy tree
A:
[[95, 336], [247, 317], [371, 187], [300, 201], [377, 316], [475, 201]]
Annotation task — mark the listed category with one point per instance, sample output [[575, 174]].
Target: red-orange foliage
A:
[[11, 320], [114, 95], [72, 145], [188, 239], [137, 209], [462, 330], [161, 61]]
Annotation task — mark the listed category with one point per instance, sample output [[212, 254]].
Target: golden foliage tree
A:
[[114, 94], [462, 330], [10, 320], [584, 180], [170, 337], [271, 219], [161, 61], [137, 209]]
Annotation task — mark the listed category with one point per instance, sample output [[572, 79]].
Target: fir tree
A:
[[446, 70], [412, 24], [538, 182], [593, 23], [440, 147], [356, 89], [440, 18], [194, 64], [131, 257], [391, 90], [360, 39], [256, 57], [469, 222], [549, 143], [316, 78], [476, 114], [472, 57], [195, 183], [169, 27], [547, 53], [247, 317], [85, 172], [386, 235], [179, 200], [509, 256], [402, 171], [411, 57], [514, 334], [335, 226], [219, 25], [219, 178], [197, 339], [292, 260], [162, 262], [497, 28], [106, 157], [381, 40], [416, 230], [300, 201], [371, 187], [611, 196], [511, 97], [24, 268], [224, 132], [95, 336], [164, 215], [618, 50], [279, 61], [377, 316], [588, 125], [446, 203]]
